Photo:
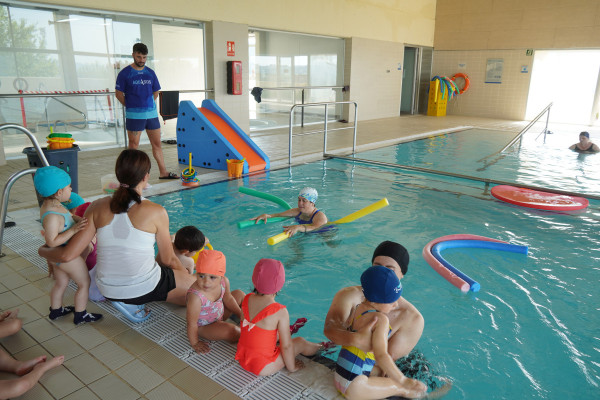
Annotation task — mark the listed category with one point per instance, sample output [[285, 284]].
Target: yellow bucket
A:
[[235, 168]]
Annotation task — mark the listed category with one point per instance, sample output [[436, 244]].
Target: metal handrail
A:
[[487, 181], [13, 178], [344, 89], [325, 128], [523, 131]]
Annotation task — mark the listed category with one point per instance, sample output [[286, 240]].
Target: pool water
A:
[[547, 165], [532, 330]]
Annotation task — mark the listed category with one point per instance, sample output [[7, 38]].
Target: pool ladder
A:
[[13, 178]]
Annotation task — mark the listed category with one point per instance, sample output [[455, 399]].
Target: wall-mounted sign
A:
[[524, 69], [230, 49], [529, 52], [493, 70]]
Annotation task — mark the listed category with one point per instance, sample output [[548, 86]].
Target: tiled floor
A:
[[111, 359]]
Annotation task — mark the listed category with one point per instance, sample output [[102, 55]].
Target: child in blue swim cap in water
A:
[[307, 216]]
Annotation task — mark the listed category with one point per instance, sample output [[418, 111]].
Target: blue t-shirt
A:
[[138, 87]]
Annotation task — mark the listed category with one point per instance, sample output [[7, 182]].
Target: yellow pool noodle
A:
[[195, 256], [348, 218]]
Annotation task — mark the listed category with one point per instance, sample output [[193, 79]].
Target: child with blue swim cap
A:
[[382, 289], [307, 216], [54, 185]]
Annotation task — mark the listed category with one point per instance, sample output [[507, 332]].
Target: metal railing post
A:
[[291, 121], [325, 132], [355, 127], [17, 175]]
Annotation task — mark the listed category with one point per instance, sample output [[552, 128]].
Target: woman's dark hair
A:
[[189, 238], [131, 168], [140, 48]]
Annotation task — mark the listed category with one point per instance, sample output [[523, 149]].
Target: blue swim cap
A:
[[74, 201], [309, 194], [49, 180], [380, 285]]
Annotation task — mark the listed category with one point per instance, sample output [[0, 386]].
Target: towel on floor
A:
[[169, 104]]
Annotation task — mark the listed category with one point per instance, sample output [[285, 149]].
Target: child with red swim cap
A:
[[263, 320]]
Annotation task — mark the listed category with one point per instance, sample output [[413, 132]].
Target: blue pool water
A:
[[532, 330]]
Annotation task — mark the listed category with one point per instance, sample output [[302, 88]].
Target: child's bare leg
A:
[[16, 387], [304, 347], [9, 364], [220, 330], [61, 280], [364, 388], [77, 270], [238, 295], [10, 326], [275, 366]]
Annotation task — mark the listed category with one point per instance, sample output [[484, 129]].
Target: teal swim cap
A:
[[74, 201], [49, 180]]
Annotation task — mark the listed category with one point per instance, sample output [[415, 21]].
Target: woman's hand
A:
[[261, 217], [293, 229]]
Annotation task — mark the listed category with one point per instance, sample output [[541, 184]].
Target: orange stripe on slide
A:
[[255, 161]]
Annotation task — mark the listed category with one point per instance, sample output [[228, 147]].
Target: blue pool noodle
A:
[[474, 244]]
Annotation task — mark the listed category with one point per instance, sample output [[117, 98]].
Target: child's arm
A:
[[230, 302], [52, 230], [285, 341], [194, 306], [414, 388]]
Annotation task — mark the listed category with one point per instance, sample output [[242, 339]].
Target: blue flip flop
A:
[[132, 312]]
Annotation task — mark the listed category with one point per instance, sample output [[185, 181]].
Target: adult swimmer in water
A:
[[308, 217], [585, 145]]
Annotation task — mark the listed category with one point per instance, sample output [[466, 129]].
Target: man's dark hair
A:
[[140, 48], [189, 238]]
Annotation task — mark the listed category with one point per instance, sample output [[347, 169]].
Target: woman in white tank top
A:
[[127, 226]]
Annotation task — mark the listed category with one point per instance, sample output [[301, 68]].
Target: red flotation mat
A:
[[536, 199]]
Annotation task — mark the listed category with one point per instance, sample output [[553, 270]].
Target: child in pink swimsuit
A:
[[210, 302], [263, 319]]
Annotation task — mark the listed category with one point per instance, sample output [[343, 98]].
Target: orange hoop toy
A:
[[467, 81]]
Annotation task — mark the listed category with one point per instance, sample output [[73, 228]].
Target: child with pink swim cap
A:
[[263, 320]]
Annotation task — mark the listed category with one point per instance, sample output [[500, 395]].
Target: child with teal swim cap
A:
[[54, 185], [382, 289]]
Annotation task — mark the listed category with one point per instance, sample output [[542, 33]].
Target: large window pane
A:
[[89, 34], [283, 60], [32, 29]]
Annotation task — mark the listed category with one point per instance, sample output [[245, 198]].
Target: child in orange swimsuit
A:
[[210, 302], [263, 319]]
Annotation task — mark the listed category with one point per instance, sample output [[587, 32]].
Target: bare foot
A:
[[55, 362], [25, 367]]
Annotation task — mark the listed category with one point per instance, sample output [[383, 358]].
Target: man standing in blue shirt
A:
[[137, 89]]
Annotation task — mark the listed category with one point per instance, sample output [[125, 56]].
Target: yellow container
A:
[[60, 143], [436, 106], [235, 168]]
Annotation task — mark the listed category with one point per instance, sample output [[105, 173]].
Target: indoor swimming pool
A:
[[532, 330]]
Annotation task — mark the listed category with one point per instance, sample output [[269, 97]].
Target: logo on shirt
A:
[[143, 82]]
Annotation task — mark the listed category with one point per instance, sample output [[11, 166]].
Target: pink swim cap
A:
[[268, 276]]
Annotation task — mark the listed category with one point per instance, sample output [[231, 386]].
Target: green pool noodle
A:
[[266, 196]]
